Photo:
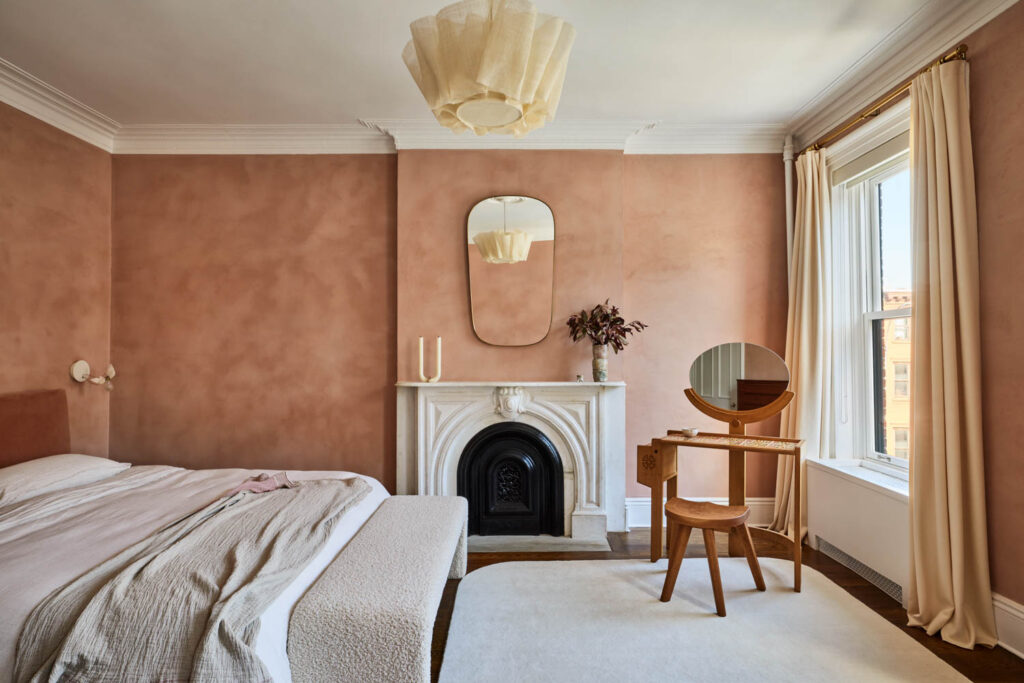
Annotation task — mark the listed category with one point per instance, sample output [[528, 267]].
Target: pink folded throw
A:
[[264, 482]]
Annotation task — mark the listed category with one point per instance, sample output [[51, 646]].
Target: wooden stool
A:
[[685, 515]]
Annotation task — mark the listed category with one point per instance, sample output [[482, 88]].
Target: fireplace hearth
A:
[[512, 477]]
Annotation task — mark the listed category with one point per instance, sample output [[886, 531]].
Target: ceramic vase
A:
[[600, 362]]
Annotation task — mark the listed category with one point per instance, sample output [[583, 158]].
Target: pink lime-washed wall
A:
[[997, 112], [704, 262], [55, 268], [253, 316]]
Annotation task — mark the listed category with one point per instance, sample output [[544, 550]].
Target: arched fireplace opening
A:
[[512, 476]]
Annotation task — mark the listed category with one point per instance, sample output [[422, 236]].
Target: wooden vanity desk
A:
[[657, 467]]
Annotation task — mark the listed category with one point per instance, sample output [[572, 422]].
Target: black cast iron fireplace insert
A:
[[512, 476]]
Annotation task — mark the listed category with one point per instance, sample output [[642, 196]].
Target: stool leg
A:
[[716, 578], [675, 561], [748, 548]]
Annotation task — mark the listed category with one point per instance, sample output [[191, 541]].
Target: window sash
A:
[[890, 169], [874, 322], [857, 304]]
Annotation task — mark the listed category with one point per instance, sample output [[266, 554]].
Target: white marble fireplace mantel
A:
[[584, 420]]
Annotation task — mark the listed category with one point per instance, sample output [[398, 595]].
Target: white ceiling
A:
[[336, 61], [333, 62]]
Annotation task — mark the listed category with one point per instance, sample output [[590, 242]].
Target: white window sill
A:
[[856, 472]]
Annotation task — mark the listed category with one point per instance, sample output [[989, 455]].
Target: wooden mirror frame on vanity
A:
[[657, 467]]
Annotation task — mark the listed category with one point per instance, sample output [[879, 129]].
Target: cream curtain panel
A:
[[808, 329], [949, 575]]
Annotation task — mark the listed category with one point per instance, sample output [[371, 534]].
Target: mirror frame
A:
[[739, 417], [554, 270]]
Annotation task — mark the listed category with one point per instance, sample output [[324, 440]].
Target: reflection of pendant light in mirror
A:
[[492, 66], [504, 246]]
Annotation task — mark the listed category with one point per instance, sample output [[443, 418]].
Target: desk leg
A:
[[656, 514], [797, 524]]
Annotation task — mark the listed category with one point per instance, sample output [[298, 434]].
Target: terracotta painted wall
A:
[[704, 254], [253, 316], [436, 190], [54, 267], [997, 121]]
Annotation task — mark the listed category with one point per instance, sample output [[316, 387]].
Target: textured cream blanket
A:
[[183, 603]]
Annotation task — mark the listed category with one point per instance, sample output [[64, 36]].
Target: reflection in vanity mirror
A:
[[510, 249], [739, 376]]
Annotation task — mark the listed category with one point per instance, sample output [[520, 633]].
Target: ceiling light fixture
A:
[[492, 66], [504, 246]]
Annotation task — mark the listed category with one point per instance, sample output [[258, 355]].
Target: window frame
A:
[[858, 203]]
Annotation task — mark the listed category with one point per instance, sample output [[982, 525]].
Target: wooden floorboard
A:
[[980, 664]]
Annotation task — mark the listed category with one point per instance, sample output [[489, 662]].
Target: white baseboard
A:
[[638, 510], [1009, 624]]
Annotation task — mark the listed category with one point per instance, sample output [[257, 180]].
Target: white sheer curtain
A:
[[808, 329], [949, 588]]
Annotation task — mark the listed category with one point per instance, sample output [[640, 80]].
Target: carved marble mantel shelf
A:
[[584, 420]]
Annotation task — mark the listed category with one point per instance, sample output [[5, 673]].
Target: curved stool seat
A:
[[684, 516], [704, 515]]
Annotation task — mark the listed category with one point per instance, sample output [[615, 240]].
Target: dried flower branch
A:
[[603, 325]]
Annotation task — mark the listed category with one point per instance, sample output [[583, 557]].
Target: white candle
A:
[[437, 377], [423, 378]]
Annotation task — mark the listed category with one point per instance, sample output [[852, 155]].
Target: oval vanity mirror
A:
[[510, 250], [739, 376]]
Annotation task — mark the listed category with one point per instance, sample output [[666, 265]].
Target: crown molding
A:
[[351, 138], [27, 93], [563, 134], [681, 138], [936, 27], [628, 136]]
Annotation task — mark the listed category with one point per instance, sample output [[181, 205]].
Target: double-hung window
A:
[[873, 300]]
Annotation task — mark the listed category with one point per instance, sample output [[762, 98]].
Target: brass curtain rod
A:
[[875, 108]]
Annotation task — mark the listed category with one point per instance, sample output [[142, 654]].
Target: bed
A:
[[58, 534]]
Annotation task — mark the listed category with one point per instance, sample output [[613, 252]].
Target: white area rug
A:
[[535, 544], [601, 620]]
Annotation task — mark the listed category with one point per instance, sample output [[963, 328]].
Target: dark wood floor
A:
[[980, 664]]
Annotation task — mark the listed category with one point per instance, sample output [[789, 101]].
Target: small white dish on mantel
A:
[[689, 432]]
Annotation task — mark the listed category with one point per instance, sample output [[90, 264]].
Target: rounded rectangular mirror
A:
[[510, 249]]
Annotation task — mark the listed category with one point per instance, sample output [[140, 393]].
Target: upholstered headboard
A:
[[33, 424]]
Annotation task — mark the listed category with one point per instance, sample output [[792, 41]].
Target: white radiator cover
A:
[[862, 513]]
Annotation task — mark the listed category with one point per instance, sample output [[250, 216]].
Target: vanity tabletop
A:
[[763, 444]]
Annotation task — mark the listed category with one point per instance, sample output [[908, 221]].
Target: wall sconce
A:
[[81, 372]]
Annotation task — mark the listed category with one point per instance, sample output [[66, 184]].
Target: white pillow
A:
[[53, 473]]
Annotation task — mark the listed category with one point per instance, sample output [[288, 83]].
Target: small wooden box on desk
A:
[[657, 467]]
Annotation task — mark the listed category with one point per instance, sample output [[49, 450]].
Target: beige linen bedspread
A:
[[206, 576]]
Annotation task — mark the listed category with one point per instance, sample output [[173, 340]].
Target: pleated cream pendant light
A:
[[490, 66]]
